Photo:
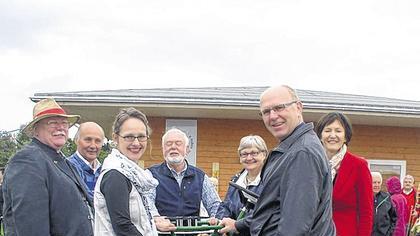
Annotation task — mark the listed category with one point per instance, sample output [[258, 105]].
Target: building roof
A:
[[238, 102]]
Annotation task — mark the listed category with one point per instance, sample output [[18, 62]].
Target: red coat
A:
[[411, 202], [353, 197]]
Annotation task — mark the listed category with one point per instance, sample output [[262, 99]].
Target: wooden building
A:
[[386, 130]]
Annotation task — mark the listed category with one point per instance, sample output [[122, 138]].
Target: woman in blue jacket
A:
[[252, 153]]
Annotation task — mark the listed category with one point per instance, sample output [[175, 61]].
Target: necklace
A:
[[249, 179]]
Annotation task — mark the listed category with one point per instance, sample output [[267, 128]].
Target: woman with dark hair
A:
[[352, 191]]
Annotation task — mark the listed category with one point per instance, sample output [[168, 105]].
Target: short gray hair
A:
[[252, 141], [292, 92], [376, 174], [409, 177], [176, 130]]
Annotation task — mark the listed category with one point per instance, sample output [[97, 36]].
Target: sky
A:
[[358, 47]]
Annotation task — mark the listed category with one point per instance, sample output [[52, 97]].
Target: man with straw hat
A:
[[43, 194]]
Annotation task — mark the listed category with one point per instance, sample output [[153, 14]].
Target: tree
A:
[[70, 147], [21, 138], [12, 141], [8, 147], [106, 149]]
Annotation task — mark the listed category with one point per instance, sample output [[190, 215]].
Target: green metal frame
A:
[[204, 225]]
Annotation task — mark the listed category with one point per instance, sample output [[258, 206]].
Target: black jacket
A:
[[296, 197], [385, 215], [231, 207], [44, 195]]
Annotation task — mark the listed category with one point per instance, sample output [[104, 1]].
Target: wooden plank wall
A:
[[218, 140]]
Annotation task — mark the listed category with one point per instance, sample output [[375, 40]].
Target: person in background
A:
[[203, 211], [182, 187], [252, 152], [89, 140], [121, 207], [296, 197], [43, 194], [385, 216], [353, 192], [215, 182], [393, 185], [409, 192], [416, 222]]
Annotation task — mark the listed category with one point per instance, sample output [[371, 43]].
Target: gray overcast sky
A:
[[359, 47]]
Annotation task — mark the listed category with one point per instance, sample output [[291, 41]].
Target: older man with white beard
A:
[[181, 186]]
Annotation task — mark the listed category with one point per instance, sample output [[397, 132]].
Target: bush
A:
[[12, 141]]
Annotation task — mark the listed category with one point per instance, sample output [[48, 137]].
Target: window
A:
[[388, 168], [190, 128]]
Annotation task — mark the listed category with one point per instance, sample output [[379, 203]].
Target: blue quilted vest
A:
[[171, 200]]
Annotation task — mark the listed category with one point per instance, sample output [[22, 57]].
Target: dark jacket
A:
[[385, 215], [171, 200], [43, 195], [232, 204], [86, 173], [296, 198]]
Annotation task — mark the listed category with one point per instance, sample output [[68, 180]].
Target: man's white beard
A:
[[175, 160]]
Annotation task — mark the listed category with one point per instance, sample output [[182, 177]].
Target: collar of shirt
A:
[[96, 162], [407, 192], [178, 176], [244, 183]]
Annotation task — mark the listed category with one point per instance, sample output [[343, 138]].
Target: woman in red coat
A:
[[352, 191]]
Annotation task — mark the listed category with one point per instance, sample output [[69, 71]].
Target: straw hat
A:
[[47, 108]]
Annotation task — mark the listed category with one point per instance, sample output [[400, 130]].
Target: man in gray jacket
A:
[[43, 194], [296, 198]]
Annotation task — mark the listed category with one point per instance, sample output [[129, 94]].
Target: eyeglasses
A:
[[246, 154], [277, 108], [131, 138], [55, 124]]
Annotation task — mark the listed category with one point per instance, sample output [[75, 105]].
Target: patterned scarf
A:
[[335, 161], [142, 180]]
